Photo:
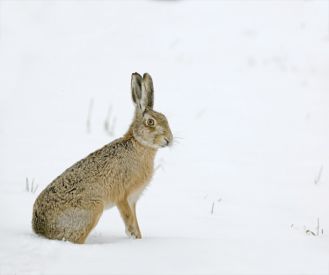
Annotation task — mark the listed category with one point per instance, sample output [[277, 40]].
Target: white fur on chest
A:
[[134, 196]]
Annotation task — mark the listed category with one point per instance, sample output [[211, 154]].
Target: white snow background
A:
[[245, 87]]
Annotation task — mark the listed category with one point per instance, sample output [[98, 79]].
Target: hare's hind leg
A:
[[80, 239], [128, 215], [78, 223]]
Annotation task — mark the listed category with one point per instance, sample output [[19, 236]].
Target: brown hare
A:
[[70, 206]]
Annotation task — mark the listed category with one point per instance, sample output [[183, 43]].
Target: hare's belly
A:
[[109, 205]]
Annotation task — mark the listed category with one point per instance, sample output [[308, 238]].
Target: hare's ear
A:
[[148, 90], [136, 90]]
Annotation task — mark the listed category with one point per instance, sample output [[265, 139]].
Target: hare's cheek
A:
[[149, 135], [158, 130], [145, 132], [158, 140], [152, 132]]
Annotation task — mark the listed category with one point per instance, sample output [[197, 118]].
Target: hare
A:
[[70, 206]]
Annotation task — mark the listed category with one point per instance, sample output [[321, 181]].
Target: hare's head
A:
[[149, 127]]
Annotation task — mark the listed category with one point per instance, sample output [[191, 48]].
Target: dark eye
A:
[[150, 122]]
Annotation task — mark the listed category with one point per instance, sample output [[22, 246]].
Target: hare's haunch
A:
[[70, 206]]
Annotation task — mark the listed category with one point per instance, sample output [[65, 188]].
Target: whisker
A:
[[176, 140]]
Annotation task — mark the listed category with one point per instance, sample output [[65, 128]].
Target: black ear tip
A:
[[135, 74]]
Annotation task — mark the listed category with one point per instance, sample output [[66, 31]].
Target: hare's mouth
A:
[[166, 142]]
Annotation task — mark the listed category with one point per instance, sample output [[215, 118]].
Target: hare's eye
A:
[[150, 122]]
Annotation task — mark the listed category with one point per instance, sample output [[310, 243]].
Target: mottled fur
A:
[[70, 207]]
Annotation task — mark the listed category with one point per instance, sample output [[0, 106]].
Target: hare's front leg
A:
[[128, 215]]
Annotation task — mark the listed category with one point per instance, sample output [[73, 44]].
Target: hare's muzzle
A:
[[168, 140]]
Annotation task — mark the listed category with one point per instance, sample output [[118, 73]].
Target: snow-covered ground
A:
[[245, 87]]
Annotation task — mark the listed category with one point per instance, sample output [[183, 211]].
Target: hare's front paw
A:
[[133, 233]]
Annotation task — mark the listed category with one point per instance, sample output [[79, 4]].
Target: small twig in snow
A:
[[212, 208], [317, 229], [309, 232], [109, 123], [318, 178], [30, 187]]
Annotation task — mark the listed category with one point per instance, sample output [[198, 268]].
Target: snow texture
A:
[[245, 87]]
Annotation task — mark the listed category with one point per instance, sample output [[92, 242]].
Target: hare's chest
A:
[[139, 172], [135, 194], [130, 179]]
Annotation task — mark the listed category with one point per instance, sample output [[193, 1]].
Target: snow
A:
[[244, 86]]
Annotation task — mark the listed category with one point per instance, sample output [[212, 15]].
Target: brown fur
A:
[[70, 206]]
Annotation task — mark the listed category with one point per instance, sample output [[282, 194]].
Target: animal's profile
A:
[[70, 206]]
